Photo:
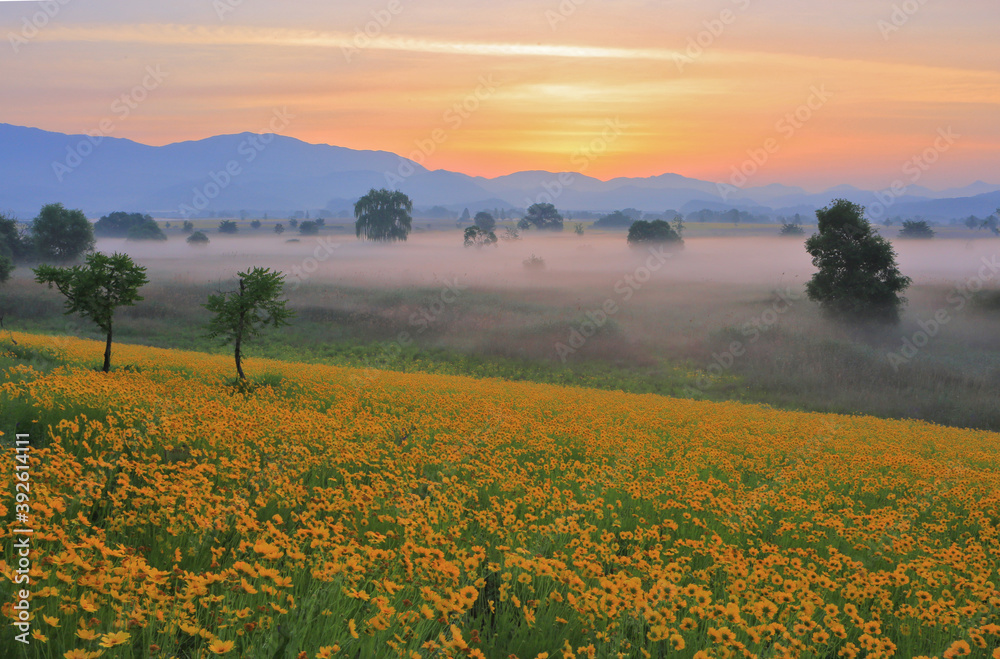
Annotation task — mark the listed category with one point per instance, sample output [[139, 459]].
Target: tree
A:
[[197, 238], [858, 277], [228, 226], [616, 220], [188, 226], [973, 222], [97, 288], [243, 314], [578, 228], [465, 216], [657, 231], [15, 244], [118, 224], [477, 237], [60, 234], [255, 224], [293, 223], [914, 229], [6, 268], [279, 228], [791, 229], [485, 221], [545, 217], [383, 215], [308, 228], [146, 231]]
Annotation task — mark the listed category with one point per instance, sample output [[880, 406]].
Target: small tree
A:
[[118, 224], [228, 226], [188, 226], [544, 217], [476, 237], [6, 268], [915, 229], [279, 228], [197, 238], [383, 215], [244, 313], [485, 221], [858, 277], [97, 288], [657, 231], [309, 228], [791, 229], [465, 216], [15, 244], [146, 231], [60, 234], [255, 224]]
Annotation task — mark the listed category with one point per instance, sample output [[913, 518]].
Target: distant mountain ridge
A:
[[280, 174]]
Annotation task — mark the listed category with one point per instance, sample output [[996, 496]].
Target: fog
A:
[[591, 262]]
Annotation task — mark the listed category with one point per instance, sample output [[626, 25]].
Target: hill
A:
[[331, 510]]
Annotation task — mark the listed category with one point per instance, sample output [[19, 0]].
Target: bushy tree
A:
[[97, 288], [148, 230], [243, 314], [197, 238], [6, 268], [578, 228], [791, 229], [616, 220], [383, 215], [916, 229], [485, 221], [308, 228], [15, 243], [544, 217], [857, 278], [658, 231], [228, 226], [476, 237], [188, 226], [60, 234], [279, 228], [118, 224], [255, 224]]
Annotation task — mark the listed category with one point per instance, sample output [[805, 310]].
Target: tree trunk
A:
[[239, 362], [107, 352]]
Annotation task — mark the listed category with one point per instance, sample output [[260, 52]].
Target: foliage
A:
[[477, 237], [485, 221], [616, 220], [149, 230], [255, 224], [97, 288], [533, 262], [543, 217], [488, 518], [197, 238], [383, 215], [118, 224], [228, 226], [243, 314], [279, 228], [6, 268], [510, 234], [15, 242], [578, 228], [188, 226], [916, 229], [60, 234], [858, 278], [309, 228], [658, 231], [791, 229]]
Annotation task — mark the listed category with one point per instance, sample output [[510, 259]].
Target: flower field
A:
[[338, 512]]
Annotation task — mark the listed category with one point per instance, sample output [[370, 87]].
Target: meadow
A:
[[333, 511]]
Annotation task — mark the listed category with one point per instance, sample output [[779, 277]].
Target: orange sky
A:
[[491, 88]]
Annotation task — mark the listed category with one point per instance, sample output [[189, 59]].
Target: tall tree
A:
[[383, 215], [544, 217], [97, 288], [61, 234], [244, 313], [485, 221], [858, 277]]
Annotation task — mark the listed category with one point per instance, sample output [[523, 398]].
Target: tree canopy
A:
[[544, 217], [916, 229], [118, 224], [857, 278], [60, 234], [97, 288], [485, 221], [383, 215], [657, 231]]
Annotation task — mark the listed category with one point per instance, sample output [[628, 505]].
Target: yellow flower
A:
[[115, 638], [220, 647]]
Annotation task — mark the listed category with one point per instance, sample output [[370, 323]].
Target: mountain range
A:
[[278, 174]]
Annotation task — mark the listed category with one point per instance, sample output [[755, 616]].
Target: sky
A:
[[815, 94]]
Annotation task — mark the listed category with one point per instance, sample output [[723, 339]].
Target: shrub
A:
[[657, 231], [534, 263], [228, 226], [916, 229], [149, 230], [197, 238]]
